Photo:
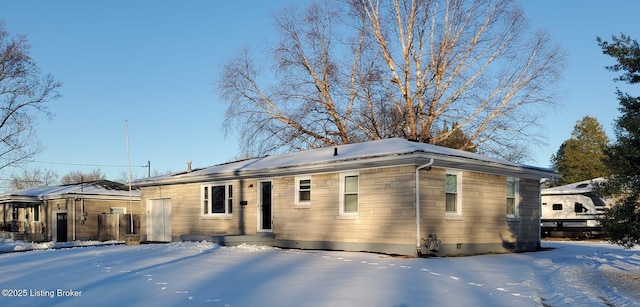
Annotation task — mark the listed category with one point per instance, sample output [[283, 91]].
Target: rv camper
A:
[[571, 210]]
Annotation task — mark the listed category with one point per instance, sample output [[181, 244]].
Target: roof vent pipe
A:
[[335, 151], [189, 166]]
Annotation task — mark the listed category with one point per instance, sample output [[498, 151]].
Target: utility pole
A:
[[148, 168]]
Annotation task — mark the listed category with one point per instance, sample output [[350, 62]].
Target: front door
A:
[[159, 220], [61, 227], [265, 206]]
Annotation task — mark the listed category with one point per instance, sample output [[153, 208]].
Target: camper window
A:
[[579, 208]]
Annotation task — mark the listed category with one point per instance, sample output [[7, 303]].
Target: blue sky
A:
[[153, 64]]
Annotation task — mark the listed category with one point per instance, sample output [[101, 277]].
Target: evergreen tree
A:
[[582, 156], [456, 138], [622, 221]]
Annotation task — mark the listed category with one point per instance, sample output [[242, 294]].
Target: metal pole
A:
[[126, 123]]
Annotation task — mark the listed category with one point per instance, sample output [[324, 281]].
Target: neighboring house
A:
[[572, 210], [390, 196], [67, 212]]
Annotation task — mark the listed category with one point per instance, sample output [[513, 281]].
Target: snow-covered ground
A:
[[202, 273]]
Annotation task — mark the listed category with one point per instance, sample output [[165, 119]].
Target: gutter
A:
[[418, 243]]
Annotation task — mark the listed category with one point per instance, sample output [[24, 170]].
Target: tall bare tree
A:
[[23, 95], [33, 178], [80, 177], [354, 70]]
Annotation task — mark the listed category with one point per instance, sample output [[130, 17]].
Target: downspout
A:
[[539, 217], [418, 243]]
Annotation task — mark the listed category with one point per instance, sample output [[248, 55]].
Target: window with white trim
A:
[[349, 187], [452, 193], [303, 191], [512, 197], [217, 200]]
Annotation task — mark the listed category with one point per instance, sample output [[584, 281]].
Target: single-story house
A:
[[390, 196], [68, 212]]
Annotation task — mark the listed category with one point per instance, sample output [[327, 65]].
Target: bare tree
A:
[[23, 95], [80, 177], [373, 69], [33, 178]]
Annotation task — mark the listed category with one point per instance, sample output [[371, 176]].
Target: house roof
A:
[[95, 189], [372, 154]]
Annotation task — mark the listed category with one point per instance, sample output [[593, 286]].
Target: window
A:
[[118, 210], [512, 197], [452, 193], [349, 199], [36, 213], [217, 200], [303, 191], [557, 206]]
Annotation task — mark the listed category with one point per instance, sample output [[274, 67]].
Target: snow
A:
[[8, 245], [205, 274], [389, 148], [49, 192]]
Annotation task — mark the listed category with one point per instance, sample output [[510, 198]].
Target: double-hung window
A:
[[303, 191], [452, 193], [217, 199], [349, 183], [512, 197]]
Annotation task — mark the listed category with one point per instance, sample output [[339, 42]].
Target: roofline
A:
[[414, 158], [20, 199], [40, 199]]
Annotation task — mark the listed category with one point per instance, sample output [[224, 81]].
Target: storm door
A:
[[265, 207], [61, 227]]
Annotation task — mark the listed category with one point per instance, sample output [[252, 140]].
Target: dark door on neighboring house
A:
[[265, 206], [61, 227]]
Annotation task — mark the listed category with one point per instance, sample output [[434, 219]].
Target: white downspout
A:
[[418, 243], [539, 215]]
